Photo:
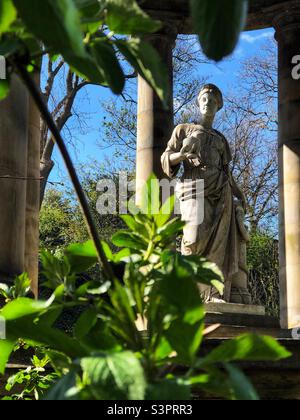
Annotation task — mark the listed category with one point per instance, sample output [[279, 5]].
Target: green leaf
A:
[[105, 56], [169, 390], [50, 315], [22, 285], [165, 212], [6, 348], [22, 321], [117, 376], [85, 323], [107, 250], [185, 339], [93, 288], [86, 67], [88, 8], [150, 204], [210, 274], [4, 89], [23, 307], [55, 22], [120, 300], [126, 17], [213, 382], [181, 302], [243, 389], [61, 390], [171, 229], [55, 270], [134, 225], [7, 15], [58, 360], [219, 24], [181, 292], [129, 240], [202, 271], [82, 256], [39, 334], [145, 59], [248, 347], [100, 338], [122, 256]]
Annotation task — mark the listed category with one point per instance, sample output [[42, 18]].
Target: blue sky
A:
[[224, 75]]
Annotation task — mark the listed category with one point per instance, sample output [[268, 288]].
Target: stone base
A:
[[234, 308], [272, 380], [238, 317]]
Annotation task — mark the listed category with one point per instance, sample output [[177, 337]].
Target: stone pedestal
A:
[[13, 174], [154, 123], [233, 308], [287, 24]]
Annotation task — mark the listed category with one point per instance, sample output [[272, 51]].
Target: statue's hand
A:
[[191, 156]]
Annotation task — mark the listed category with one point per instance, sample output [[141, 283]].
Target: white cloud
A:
[[252, 38]]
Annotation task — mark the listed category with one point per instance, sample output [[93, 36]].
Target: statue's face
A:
[[208, 104]]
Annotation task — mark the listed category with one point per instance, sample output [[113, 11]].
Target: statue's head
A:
[[210, 100]]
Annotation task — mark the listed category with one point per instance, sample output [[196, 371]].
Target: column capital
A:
[[286, 18], [168, 33]]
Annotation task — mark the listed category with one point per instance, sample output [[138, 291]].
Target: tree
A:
[[61, 221], [263, 263], [58, 226], [249, 122], [61, 102]]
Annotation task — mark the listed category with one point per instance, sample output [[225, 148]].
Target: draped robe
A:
[[216, 238]]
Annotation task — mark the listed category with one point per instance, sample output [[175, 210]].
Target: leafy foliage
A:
[[263, 262], [32, 382], [133, 331], [20, 288], [82, 32], [7, 15], [219, 24]]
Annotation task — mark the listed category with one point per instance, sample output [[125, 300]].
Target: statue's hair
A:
[[212, 89]]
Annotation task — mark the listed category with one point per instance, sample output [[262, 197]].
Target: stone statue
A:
[[205, 155]]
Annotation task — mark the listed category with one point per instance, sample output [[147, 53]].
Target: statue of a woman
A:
[[206, 155]]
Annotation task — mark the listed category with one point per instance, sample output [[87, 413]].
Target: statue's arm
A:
[[176, 158], [175, 154]]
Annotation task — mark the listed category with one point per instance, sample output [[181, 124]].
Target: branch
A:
[[32, 88]]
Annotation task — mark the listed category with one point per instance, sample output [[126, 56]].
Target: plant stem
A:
[[92, 229]]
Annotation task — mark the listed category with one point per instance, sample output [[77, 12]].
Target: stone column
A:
[[287, 24], [33, 193], [13, 174], [154, 123]]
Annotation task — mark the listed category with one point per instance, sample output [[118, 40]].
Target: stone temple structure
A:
[[20, 179], [155, 124]]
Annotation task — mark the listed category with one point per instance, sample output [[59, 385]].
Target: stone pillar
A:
[[33, 194], [287, 25], [13, 174], [154, 123]]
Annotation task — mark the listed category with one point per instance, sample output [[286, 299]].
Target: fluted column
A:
[[33, 193], [154, 123], [13, 184], [287, 25]]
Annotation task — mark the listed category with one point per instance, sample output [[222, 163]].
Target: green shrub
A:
[[263, 262], [136, 327]]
